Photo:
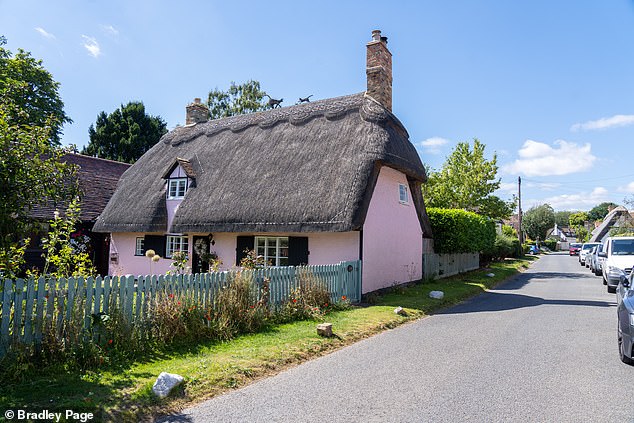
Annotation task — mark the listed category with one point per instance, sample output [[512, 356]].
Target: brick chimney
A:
[[196, 112], [379, 70]]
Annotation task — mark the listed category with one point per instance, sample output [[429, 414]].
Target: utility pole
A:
[[519, 209]]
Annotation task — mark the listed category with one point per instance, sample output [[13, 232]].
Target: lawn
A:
[[123, 393]]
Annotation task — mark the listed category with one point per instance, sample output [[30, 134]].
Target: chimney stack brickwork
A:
[[196, 112], [379, 70]]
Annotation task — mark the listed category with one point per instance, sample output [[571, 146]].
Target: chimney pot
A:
[[379, 70]]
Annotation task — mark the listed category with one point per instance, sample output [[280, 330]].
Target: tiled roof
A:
[[98, 179]]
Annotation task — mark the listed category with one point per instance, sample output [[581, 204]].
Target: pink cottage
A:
[[316, 183]]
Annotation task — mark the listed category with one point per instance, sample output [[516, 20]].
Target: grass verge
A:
[[124, 393]]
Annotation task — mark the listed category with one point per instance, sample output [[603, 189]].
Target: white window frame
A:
[[180, 186], [139, 246], [402, 191], [174, 243], [270, 242]]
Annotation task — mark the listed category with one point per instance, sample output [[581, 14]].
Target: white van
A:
[[619, 259]]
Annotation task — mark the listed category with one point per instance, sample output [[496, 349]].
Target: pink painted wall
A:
[[392, 235], [124, 244], [325, 248]]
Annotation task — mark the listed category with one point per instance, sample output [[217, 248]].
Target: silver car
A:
[[625, 315], [595, 262]]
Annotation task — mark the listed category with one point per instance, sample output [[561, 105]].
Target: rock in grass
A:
[[438, 295], [165, 383], [324, 329], [490, 275], [400, 311]]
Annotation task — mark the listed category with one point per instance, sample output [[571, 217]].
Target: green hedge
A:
[[460, 231]]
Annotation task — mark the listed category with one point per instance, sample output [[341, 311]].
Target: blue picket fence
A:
[[32, 306]]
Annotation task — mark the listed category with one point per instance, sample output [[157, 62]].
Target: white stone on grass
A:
[[490, 275], [399, 310], [438, 295], [165, 383]]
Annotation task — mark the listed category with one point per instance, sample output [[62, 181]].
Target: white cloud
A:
[[508, 187], [110, 30], [604, 123], [433, 145], [540, 159], [629, 188], [44, 33], [546, 186], [92, 46], [580, 201]]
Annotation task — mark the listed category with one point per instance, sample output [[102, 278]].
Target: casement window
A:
[[176, 243], [403, 198], [176, 188], [140, 244], [274, 249], [281, 251]]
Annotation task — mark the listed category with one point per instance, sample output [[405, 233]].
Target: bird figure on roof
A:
[[273, 103], [304, 100]]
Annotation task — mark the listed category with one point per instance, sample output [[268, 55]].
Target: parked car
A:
[[625, 315], [533, 250], [574, 249], [585, 248], [618, 253], [596, 262]]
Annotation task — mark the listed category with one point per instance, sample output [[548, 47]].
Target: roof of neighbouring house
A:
[[98, 180], [308, 167], [615, 216]]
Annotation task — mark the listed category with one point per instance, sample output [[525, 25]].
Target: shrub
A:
[[460, 231], [551, 244], [309, 300]]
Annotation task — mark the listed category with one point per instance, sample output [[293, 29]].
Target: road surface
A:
[[541, 347]]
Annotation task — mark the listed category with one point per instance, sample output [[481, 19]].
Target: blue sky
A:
[[547, 85]]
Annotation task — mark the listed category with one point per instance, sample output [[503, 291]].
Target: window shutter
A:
[[156, 243], [297, 250], [244, 242]]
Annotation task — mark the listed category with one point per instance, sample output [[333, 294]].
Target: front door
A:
[[201, 247]]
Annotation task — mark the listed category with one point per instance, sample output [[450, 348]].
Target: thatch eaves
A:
[[305, 168]]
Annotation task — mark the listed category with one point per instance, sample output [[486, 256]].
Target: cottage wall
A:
[[392, 235], [325, 248]]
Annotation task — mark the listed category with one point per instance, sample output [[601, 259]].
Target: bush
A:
[[460, 231], [310, 300], [551, 244], [506, 246]]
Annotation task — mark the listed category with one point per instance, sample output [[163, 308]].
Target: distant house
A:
[[97, 180], [315, 183], [618, 217]]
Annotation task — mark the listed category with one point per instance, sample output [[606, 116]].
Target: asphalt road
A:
[[541, 347]]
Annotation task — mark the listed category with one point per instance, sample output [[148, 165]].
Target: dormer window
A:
[[180, 177], [177, 188]]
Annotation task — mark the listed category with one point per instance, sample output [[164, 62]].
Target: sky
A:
[[547, 86]]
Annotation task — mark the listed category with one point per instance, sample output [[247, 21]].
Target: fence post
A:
[[7, 297]]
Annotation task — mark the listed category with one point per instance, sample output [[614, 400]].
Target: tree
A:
[[467, 181], [537, 221], [125, 134], [237, 100], [31, 88], [562, 218], [578, 220], [31, 172], [600, 211]]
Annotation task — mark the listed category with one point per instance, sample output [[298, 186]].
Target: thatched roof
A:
[[304, 168], [617, 217], [97, 182]]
